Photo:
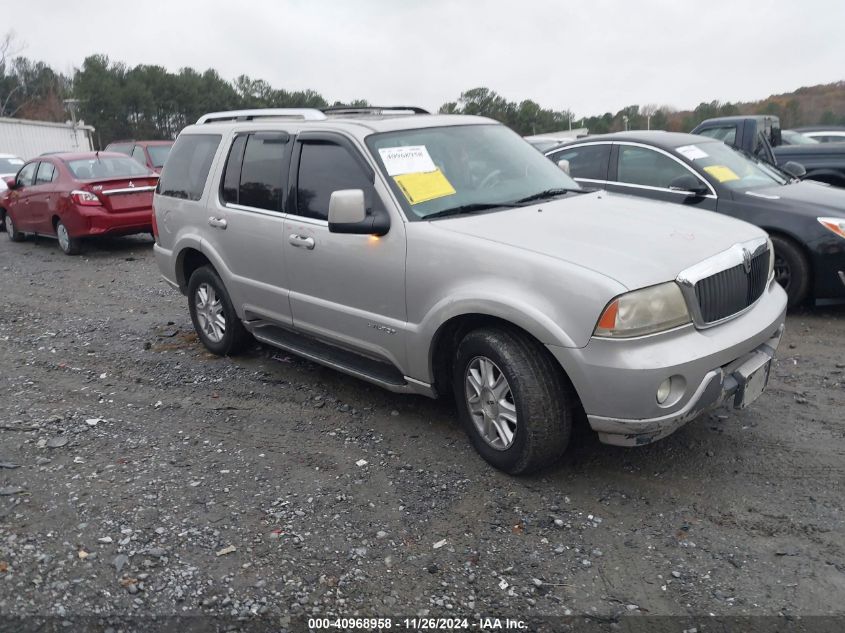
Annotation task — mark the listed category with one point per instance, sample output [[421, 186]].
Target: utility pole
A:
[[72, 105]]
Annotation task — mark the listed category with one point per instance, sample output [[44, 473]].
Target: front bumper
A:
[[617, 380], [723, 385]]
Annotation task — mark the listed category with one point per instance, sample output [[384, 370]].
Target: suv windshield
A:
[[731, 168], [442, 171]]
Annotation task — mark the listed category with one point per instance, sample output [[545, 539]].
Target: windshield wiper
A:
[[470, 208], [547, 193]]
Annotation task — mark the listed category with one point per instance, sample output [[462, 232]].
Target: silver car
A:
[[443, 255]]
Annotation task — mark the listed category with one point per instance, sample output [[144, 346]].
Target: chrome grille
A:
[[732, 290]]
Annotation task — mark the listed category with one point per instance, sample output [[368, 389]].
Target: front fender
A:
[[422, 340]]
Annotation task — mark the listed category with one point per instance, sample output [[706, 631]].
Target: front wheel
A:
[[11, 229], [514, 401], [214, 318], [792, 270]]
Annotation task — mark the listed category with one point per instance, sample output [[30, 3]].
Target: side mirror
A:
[[564, 166], [690, 185], [796, 170], [10, 182], [348, 214]]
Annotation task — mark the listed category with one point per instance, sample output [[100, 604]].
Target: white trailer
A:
[[28, 139]]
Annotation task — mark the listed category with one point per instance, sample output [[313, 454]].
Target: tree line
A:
[[150, 102]]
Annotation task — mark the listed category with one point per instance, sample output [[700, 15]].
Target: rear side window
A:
[[587, 161], [323, 169], [255, 171], [46, 173], [188, 165]]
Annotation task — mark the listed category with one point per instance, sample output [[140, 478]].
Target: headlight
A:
[[644, 311], [837, 225]]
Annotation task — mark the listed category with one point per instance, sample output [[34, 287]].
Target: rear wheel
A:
[[214, 318], [69, 245], [792, 270], [514, 401], [14, 234]]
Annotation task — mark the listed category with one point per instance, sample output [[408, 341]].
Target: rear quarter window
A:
[[186, 172]]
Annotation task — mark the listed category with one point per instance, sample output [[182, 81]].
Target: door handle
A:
[[300, 241], [218, 223]]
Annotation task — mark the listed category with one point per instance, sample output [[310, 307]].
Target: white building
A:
[[30, 138]]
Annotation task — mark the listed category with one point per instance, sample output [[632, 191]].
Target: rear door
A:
[[20, 198], [648, 172], [246, 223], [348, 289]]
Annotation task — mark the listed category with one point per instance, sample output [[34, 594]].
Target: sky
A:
[[587, 56]]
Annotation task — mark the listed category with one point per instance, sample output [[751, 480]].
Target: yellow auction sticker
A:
[[425, 186], [721, 173]]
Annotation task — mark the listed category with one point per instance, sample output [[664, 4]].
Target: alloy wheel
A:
[[491, 403], [210, 314], [64, 238]]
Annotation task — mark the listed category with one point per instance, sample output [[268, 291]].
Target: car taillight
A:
[[85, 198]]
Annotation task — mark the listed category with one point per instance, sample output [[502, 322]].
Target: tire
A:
[[69, 245], [208, 301], [535, 390], [14, 234], [792, 270], [2, 220]]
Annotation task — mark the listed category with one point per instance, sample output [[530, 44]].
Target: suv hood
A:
[[636, 242]]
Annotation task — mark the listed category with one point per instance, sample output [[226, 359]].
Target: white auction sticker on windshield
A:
[[412, 159], [692, 152]]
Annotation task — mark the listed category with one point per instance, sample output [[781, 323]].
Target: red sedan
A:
[[72, 196]]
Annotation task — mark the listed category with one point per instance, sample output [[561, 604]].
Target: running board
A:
[[377, 372]]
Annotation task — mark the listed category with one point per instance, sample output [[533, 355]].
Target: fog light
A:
[[664, 390]]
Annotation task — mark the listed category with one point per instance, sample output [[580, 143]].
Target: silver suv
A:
[[437, 254]]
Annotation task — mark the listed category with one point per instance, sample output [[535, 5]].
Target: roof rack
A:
[[307, 114], [375, 110]]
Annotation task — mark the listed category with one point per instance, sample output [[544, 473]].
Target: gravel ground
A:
[[141, 475]]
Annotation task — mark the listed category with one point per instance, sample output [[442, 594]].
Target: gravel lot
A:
[[141, 475]]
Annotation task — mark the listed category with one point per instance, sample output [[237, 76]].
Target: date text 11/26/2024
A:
[[418, 624]]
